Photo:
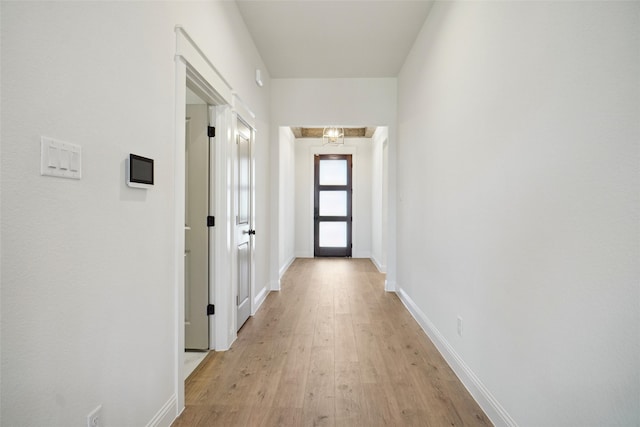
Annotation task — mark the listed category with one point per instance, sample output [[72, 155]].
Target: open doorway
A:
[[197, 263], [195, 73], [369, 205]]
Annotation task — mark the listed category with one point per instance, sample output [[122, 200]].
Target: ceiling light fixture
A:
[[333, 135]]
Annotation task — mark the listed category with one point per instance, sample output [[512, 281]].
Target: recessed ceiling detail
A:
[[353, 132]]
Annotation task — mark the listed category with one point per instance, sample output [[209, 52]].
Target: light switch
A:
[[74, 164], [52, 162], [64, 159], [59, 158]]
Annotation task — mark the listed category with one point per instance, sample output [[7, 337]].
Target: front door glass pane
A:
[[333, 203], [333, 234], [333, 172]]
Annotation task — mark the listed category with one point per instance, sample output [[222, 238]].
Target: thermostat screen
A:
[[140, 169]]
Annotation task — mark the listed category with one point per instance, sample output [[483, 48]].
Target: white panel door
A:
[[244, 231]]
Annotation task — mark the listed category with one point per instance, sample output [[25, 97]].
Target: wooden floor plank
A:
[[349, 403], [293, 379], [332, 348], [345, 340], [319, 399]]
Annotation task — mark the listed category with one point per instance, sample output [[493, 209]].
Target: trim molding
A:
[[243, 110], [285, 267], [381, 268], [391, 286], [187, 48], [259, 299], [166, 415], [489, 404]]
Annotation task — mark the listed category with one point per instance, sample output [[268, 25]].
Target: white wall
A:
[[361, 151], [88, 313], [287, 196], [341, 102], [379, 198], [518, 203]]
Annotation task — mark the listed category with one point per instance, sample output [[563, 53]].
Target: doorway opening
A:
[[197, 263], [194, 71], [370, 204]]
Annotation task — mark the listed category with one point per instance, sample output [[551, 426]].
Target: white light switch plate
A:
[[59, 158]]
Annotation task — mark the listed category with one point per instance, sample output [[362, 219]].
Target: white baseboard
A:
[[166, 415], [304, 255], [286, 266], [496, 413], [381, 268], [259, 299], [391, 286]]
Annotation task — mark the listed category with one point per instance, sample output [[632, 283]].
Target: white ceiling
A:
[[334, 39]]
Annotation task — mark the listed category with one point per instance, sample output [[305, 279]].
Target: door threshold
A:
[[193, 359]]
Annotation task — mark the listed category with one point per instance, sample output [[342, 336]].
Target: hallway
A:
[[331, 348]]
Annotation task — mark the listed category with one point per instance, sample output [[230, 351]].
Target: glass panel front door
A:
[[332, 210]]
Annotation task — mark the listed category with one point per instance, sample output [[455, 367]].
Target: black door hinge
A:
[[211, 310], [211, 221], [211, 131]]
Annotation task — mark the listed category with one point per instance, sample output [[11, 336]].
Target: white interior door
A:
[[244, 231], [196, 257]]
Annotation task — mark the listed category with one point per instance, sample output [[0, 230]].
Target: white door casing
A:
[[193, 67]]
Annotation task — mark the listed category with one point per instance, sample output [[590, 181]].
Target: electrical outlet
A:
[[94, 419], [459, 326]]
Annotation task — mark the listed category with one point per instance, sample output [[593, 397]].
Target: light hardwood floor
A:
[[332, 348]]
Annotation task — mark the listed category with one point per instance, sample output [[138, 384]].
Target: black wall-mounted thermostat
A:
[[139, 171]]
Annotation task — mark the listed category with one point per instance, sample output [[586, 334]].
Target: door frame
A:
[[192, 65], [317, 189], [318, 150]]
